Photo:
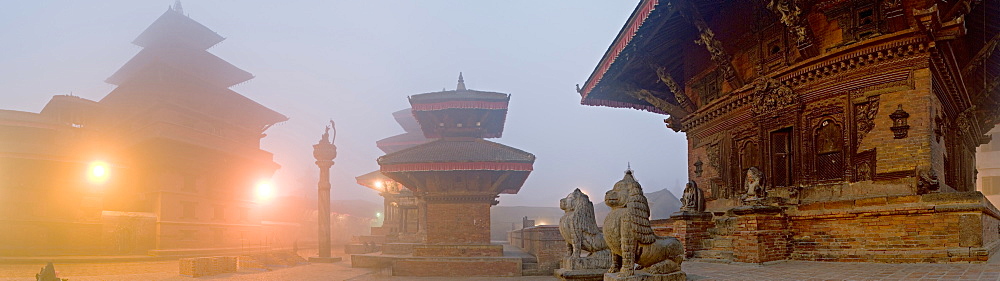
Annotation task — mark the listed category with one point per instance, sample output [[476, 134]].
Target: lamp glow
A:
[[264, 191], [98, 172]]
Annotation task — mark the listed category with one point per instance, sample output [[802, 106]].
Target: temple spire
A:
[[177, 7], [461, 83]]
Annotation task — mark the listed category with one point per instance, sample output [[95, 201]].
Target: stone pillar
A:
[[761, 234], [691, 228], [324, 152]]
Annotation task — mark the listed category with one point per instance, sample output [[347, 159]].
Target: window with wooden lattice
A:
[[828, 142], [781, 157]]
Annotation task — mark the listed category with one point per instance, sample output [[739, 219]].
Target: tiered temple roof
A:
[[175, 68]]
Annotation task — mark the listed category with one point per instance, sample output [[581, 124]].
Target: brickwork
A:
[[466, 267], [761, 235], [207, 266], [544, 242], [943, 227], [690, 229], [458, 223], [438, 250]]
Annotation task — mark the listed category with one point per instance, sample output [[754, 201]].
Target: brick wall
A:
[[458, 223], [942, 227], [544, 242]]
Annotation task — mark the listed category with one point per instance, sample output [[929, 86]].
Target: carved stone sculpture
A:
[[578, 227], [927, 181], [631, 239], [754, 185], [693, 200]]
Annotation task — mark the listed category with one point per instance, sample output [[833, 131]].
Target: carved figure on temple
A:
[[631, 239], [791, 16], [578, 225], [754, 185], [693, 199]]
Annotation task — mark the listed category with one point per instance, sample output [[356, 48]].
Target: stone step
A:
[[531, 269], [718, 243], [714, 254]]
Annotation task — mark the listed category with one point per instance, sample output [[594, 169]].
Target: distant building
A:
[[182, 154]]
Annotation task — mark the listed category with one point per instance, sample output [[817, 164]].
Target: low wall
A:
[[543, 241]]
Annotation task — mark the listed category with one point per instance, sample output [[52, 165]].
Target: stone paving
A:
[[698, 271]]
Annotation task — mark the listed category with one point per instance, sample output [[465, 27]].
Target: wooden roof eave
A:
[[629, 56]]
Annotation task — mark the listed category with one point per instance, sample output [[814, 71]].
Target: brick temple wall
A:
[[943, 227], [458, 223], [937, 227]]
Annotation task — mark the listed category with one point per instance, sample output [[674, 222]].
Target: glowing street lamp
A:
[[98, 172], [264, 191]]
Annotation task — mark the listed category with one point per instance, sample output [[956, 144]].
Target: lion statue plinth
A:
[[578, 227], [630, 237]]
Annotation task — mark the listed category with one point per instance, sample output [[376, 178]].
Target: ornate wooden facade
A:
[[833, 100]]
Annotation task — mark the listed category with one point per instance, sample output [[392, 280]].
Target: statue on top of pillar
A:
[[692, 200]]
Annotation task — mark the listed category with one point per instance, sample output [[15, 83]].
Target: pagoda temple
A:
[[819, 130], [456, 178], [180, 152]]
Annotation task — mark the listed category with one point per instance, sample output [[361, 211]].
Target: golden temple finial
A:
[[461, 83]]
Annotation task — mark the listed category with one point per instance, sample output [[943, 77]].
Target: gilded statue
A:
[[630, 237]]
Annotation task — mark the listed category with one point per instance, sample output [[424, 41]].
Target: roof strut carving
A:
[[707, 38]]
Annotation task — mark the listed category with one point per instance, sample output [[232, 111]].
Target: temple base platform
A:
[[427, 260], [643, 276]]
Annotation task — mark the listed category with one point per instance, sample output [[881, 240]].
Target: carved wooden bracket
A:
[[791, 14], [707, 38], [864, 114], [676, 89], [931, 23], [648, 96]]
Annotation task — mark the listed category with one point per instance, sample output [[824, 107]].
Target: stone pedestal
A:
[[584, 268], [691, 228], [642, 276], [761, 234], [580, 274]]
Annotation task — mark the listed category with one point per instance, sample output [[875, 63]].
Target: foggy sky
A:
[[356, 62]]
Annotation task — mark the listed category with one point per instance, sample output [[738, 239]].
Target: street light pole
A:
[[324, 152]]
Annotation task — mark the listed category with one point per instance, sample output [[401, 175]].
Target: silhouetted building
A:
[[182, 151]]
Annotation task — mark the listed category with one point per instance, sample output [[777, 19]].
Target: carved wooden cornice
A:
[[460, 198], [706, 37], [813, 71]]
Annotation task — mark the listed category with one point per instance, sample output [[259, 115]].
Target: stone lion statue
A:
[[578, 225], [630, 237]]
